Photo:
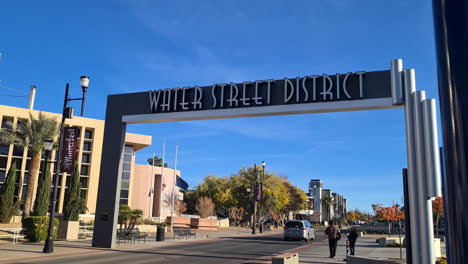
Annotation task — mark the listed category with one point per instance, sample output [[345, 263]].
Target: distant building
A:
[[320, 211]]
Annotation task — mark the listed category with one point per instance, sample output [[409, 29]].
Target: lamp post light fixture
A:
[[48, 144], [66, 113], [84, 81]]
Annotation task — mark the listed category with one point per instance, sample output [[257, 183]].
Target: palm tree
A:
[[328, 202], [31, 134]]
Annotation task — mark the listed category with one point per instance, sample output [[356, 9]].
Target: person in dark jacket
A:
[[333, 233], [352, 237]]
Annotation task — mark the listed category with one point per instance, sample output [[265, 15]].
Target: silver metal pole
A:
[[410, 87], [32, 96], [396, 68], [173, 190], [425, 207], [431, 140]]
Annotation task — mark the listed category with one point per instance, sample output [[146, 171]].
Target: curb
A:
[[109, 250]]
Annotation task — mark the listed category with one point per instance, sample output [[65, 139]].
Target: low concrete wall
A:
[[390, 241], [179, 221], [362, 260], [286, 258], [204, 223]]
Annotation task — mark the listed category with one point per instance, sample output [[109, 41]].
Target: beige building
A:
[[134, 177], [154, 195]]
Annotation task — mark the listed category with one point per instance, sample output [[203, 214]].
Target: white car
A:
[[299, 229]]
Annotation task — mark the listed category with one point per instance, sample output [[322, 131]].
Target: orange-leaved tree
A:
[[438, 211], [391, 213]]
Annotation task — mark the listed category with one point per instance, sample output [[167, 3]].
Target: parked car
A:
[[299, 229]]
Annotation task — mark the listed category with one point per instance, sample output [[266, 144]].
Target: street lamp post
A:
[[262, 181], [254, 220], [66, 113]]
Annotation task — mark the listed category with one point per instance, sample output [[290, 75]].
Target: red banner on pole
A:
[[70, 143], [259, 193]]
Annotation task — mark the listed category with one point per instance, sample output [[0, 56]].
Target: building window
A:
[[124, 201], [18, 151], [7, 122], [87, 146], [3, 162], [84, 170], [25, 178], [2, 176], [85, 158], [4, 149], [84, 182], [124, 194], [88, 134], [125, 175], [127, 158], [128, 149], [21, 123], [125, 185]]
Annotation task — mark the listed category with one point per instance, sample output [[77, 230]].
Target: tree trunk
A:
[[437, 225], [33, 174]]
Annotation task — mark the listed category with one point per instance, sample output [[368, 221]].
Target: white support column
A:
[[425, 206], [410, 87]]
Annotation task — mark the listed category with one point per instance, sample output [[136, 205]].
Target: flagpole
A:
[[173, 188], [150, 213], [162, 180]]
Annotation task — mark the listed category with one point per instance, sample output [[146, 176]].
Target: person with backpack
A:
[[352, 237], [334, 234]]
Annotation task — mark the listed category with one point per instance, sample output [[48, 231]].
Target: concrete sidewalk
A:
[[365, 247], [10, 252]]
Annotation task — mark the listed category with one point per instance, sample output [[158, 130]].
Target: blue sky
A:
[[137, 45]]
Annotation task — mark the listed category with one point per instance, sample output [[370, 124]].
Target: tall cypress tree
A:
[[41, 205], [74, 204], [8, 207]]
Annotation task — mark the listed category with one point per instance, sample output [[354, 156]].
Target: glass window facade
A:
[[126, 172]]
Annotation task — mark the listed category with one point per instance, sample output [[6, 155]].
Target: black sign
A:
[[299, 90], [70, 143]]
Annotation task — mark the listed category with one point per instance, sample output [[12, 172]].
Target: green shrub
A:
[[74, 203], [41, 206], [8, 208], [36, 228]]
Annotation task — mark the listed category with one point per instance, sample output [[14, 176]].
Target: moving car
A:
[[299, 229]]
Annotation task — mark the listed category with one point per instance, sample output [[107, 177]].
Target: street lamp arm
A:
[[76, 99]]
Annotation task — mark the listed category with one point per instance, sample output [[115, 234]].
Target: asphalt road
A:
[[226, 251]]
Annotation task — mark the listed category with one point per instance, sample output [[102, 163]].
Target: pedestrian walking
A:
[[352, 237], [334, 234]]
